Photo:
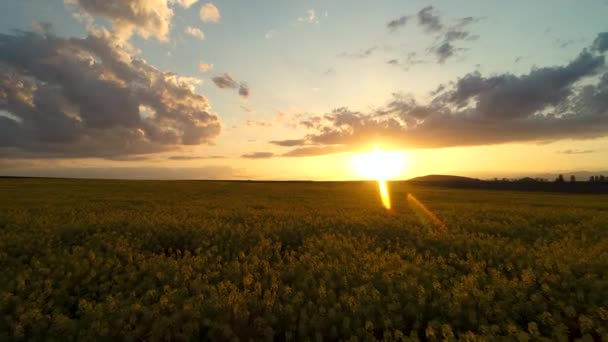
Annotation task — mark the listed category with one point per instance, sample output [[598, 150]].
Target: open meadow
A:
[[185, 260]]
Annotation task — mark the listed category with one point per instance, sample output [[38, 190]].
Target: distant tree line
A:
[[560, 179]]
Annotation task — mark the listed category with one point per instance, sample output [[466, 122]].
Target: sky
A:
[[278, 90]]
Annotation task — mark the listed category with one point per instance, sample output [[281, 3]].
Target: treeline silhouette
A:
[[568, 184]]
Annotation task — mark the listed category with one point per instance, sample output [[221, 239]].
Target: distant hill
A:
[[443, 179], [520, 184]]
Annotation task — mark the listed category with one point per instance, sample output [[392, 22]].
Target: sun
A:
[[381, 166]]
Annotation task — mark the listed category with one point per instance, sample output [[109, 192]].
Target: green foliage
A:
[[144, 260]]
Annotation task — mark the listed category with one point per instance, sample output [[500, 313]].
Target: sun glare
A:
[[381, 166]]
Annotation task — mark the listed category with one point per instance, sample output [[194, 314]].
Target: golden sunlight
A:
[[381, 166]]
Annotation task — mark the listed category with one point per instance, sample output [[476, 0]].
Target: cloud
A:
[[226, 81], [600, 44], [244, 90], [576, 151], [204, 67], [247, 109], [210, 13], [289, 142], [329, 71], [88, 97], [429, 21], [258, 123], [148, 18], [195, 32], [181, 158], [444, 51], [185, 3], [550, 103], [359, 54], [315, 151], [310, 18], [396, 24], [454, 33], [411, 59], [258, 155], [42, 27], [269, 34]]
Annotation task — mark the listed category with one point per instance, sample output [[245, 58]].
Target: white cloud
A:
[[185, 3], [310, 18], [147, 18], [195, 32], [210, 13], [270, 34]]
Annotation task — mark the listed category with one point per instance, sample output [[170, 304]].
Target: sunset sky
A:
[[293, 89]]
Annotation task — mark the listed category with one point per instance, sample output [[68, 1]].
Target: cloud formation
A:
[[195, 32], [258, 155], [148, 18], [576, 151], [428, 20], [210, 13], [396, 24], [546, 104], [456, 32], [359, 54], [309, 18], [204, 67], [183, 158], [225, 81], [88, 97]]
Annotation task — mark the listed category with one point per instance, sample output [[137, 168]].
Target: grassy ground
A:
[[162, 260]]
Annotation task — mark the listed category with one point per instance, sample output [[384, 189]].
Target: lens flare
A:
[[386, 200], [381, 166], [426, 212]]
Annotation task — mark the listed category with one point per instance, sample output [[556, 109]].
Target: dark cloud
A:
[[226, 81], [510, 96], [454, 33], [89, 97], [258, 155], [429, 21], [546, 104], [576, 151], [600, 44], [411, 59], [444, 51], [359, 54], [128, 158], [394, 25], [289, 142], [244, 90], [194, 157]]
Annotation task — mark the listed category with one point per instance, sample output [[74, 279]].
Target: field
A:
[[184, 260]]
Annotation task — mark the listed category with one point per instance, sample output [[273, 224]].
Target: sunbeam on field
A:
[[381, 166]]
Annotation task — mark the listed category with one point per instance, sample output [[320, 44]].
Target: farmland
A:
[[183, 260]]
